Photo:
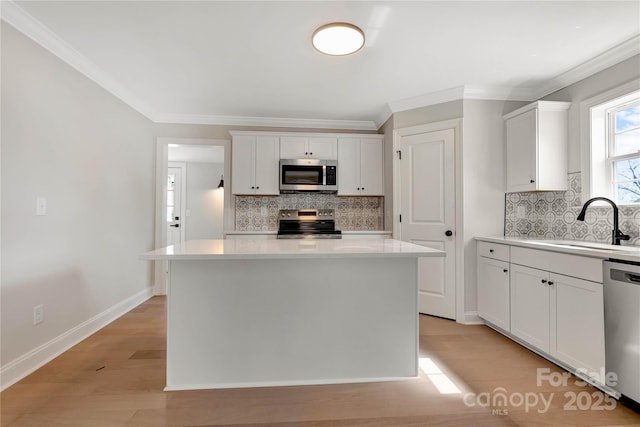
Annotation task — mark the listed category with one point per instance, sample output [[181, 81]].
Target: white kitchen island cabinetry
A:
[[309, 147], [255, 164], [537, 144], [360, 166], [250, 313]]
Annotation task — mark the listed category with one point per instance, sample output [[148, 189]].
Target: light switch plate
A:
[[521, 212]]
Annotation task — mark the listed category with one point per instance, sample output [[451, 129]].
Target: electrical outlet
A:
[[38, 314], [41, 205], [263, 211], [521, 212]]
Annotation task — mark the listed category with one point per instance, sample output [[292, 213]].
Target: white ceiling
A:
[[251, 62]]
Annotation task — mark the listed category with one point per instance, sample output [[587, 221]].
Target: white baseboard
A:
[[471, 318], [19, 368]]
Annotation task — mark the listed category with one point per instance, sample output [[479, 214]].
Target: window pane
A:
[[628, 118], [627, 180], [627, 142]]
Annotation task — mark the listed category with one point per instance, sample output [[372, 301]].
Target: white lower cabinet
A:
[[560, 315], [493, 292], [530, 307], [577, 323]]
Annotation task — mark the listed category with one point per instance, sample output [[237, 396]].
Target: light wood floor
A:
[[116, 378]]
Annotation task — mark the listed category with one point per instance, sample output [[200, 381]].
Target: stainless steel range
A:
[[307, 224]]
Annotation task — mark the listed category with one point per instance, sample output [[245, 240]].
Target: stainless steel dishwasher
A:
[[622, 326]]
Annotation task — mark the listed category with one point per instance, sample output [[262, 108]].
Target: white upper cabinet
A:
[[309, 147], [360, 166], [537, 144], [255, 164]]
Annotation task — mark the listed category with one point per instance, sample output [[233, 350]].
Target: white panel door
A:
[[428, 202], [175, 225]]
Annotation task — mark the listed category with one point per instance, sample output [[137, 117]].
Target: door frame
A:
[[183, 197], [456, 125], [162, 163]]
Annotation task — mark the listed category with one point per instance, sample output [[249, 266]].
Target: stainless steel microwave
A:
[[308, 175]]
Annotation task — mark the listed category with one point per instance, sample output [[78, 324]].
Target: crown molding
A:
[[498, 93], [613, 56], [265, 122], [15, 16], [456, 94], [427, 99]]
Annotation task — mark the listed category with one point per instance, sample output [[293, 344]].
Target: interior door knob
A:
[[448, 233]]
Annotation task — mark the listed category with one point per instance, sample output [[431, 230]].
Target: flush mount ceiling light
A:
[[338, 38]]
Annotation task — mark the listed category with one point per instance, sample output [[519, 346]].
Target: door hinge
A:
[[399, 154]]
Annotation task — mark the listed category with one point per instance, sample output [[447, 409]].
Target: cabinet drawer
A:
[[567, 264], [493, 250]]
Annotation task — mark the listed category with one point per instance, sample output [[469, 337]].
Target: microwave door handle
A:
[[324, 175]]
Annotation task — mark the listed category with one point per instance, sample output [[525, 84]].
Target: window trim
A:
[[596, 171]]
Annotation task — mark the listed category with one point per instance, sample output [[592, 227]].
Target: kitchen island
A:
[[248, 313]]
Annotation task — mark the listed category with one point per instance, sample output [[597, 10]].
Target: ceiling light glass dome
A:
[[339, 38]]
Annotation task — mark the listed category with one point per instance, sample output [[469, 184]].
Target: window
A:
[[611, 145], [624, 152]]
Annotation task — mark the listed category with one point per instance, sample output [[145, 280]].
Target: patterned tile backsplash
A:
[[552, 215], [352, 213]]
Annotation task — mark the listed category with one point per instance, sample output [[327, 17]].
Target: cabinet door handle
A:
[[505, 270], [253, 188], [550, 283], [544, 281], [491, 251], [532, 181], [311, 154]]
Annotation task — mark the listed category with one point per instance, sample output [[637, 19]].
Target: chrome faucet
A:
[[616, 234]]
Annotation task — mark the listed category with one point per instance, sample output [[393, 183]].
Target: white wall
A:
[[205, 201], [589, 87], [92, 157], [483, 175]]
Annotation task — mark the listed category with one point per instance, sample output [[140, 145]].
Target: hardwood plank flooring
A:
[[116, 378]]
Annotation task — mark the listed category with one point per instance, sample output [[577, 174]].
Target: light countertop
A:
[[574, 247], [290, 249], [274, 232]]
